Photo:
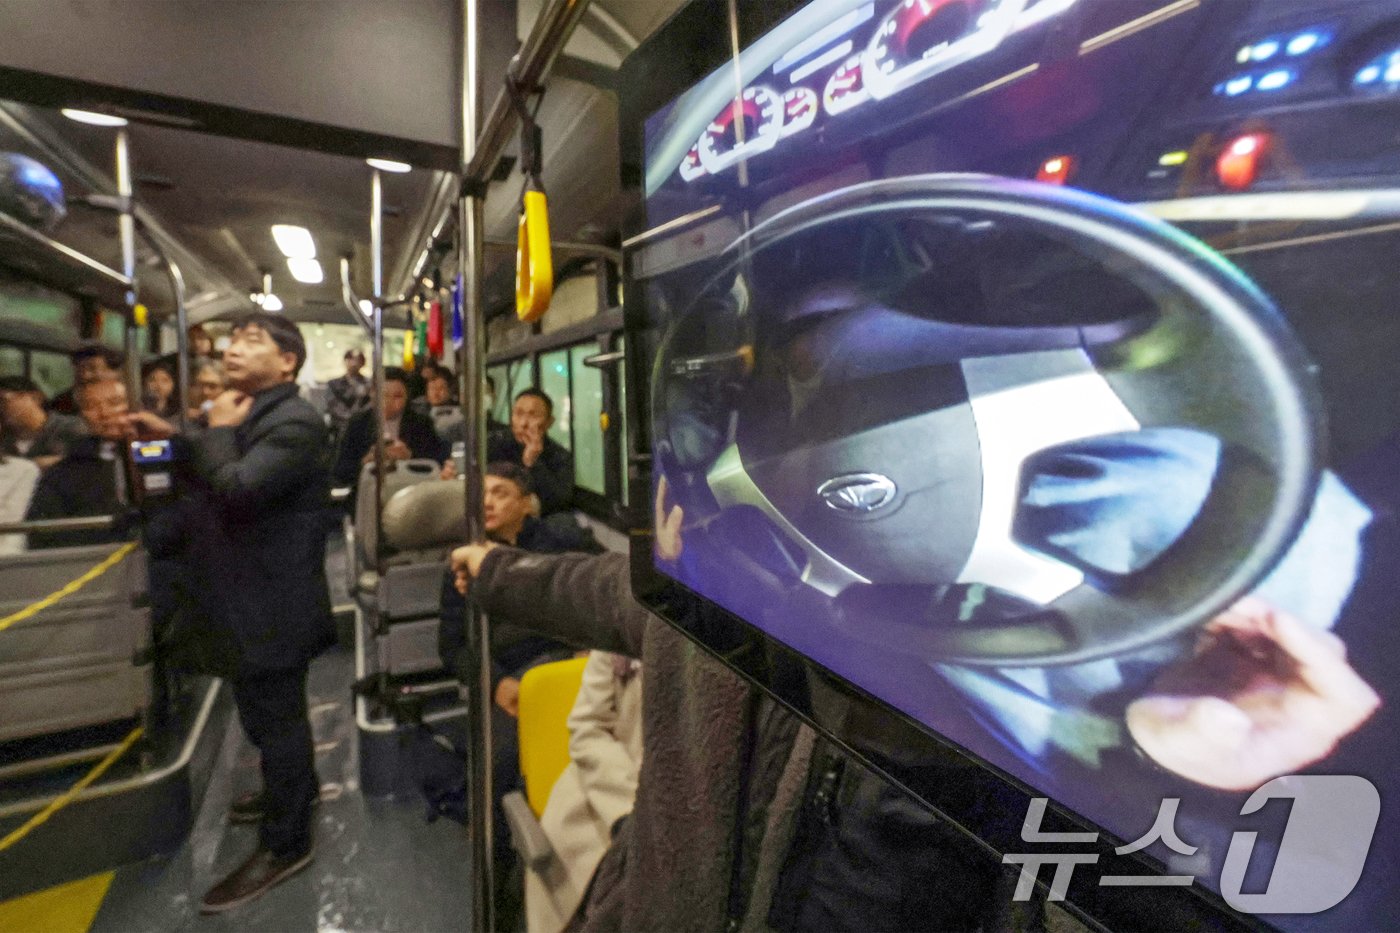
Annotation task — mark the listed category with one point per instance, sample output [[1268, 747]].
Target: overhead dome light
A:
[[306, 271], [268, 302], [389, 165], [93, 118], [294, 242]]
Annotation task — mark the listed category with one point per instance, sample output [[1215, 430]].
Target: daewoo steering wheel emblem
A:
[[857, 492]]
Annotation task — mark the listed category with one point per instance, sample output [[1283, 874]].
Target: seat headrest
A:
[[426, 515]]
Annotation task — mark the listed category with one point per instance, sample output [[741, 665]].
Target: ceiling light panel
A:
[[91, 118], [389, 165], [306, 271], [294, 242]]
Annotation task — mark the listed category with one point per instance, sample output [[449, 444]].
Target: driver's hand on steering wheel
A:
[[668, 525], [1261, 695]]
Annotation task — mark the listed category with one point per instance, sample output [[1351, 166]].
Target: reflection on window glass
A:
[[587, 411], [554, 380], [521, 376], [620, 344], [52, 372], [11, 361], [499, 410]]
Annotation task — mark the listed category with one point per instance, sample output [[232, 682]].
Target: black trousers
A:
[[272, 707]]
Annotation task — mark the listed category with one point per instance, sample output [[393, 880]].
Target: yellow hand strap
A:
[[534, 266]]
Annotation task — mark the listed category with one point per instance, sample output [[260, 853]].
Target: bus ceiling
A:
[[267, 115]]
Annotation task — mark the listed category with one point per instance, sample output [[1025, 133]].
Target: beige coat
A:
[[592, 794]]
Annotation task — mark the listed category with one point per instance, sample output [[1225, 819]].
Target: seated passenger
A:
[[514, 649], [527, 442], [594, 792], [208, 384], [30, 429], [407, 434], [158, 390], [17, 479], [95, 477], [443, 409], [91, 362]]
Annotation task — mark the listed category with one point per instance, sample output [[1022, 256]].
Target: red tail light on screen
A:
[[1055, 170], [1238, 164]]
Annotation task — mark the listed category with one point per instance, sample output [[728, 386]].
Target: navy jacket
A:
[[255, 537], [81, 484], [552, 475], [415, 430]]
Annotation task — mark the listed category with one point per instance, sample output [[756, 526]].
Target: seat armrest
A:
[[526, 836]]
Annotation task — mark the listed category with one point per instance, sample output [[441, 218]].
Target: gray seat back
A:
[[71, 664]]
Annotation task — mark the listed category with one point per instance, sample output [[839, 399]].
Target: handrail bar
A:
[[81, 523]]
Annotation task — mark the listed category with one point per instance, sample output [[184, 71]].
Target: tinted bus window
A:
[[587, 409], [52, 371], [554, 380], [11, 361]]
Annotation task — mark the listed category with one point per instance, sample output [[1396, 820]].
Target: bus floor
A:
[[379, 865]]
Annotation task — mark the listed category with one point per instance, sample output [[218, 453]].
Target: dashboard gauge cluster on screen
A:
[[1027, 369]]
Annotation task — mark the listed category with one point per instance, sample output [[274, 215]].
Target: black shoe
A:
[[261, 873], [249, 808]]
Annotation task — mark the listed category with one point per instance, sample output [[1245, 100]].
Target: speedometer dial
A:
[[800, 108], [921, 38], [690, 167], [750, 125], [846, 87]]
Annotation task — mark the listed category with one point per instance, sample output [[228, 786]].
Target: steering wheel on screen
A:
[[885, 433]]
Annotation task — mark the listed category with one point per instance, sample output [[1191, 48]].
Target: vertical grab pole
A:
[[126, 231], [471, 364], [376, 251], [182, 344]]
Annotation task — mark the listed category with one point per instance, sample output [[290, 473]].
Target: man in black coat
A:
[[94, 478], [410, 435], [527, 442], [255, 547]]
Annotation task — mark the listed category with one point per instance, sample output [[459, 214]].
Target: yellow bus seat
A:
[[547, 695]]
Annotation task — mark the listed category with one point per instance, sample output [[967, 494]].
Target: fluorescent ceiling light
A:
[[366, 307], [92, 118], [294, 242], [306, 271], [271, 303], [389, 165]]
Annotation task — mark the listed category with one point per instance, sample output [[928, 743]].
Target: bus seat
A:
[[407, 473], [547, 695], [71, 665], [426, 516]]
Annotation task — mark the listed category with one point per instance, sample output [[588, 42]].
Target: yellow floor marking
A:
[[65, 908]]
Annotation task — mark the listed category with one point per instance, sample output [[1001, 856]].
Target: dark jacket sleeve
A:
[[553, 479], [579, 599], [281, 459], [354, 444]]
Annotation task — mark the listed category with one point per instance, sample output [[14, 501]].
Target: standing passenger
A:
[[349, 394], [258, 560]]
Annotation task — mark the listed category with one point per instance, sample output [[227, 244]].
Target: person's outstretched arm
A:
[[580, 599]]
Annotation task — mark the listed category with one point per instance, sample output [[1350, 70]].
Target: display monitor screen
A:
[[1030, 367]]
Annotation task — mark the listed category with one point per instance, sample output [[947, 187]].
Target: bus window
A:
[[587, 409], [554, 380], [52, 372], [11, 361]]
